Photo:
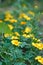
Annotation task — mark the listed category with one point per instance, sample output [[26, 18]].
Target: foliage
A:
[[18, 31]]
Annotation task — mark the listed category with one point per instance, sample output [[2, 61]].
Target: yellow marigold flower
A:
[[7, 19], [8, 14], [14, 37], [1, 21], [15, 42], [31, 12], [17, 34], [23, 23], [6, 35], [31, 35], [28, 29], [13, 20], [40, 59], [26, 36], [35, 45], [23, 15], [10, 26], [38, 45], [27, 17]]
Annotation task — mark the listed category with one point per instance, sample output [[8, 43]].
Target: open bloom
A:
[[27, 29], [15, 42], [40, 59], [38, 45]]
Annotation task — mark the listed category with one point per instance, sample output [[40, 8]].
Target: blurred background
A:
[[16, 5]]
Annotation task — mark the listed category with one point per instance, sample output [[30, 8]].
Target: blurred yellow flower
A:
[[27, 29], [23, 23], [10, 26], [27, 17], [31, 12], [1, 21], [15, 42], [38, 45], [7, 19], [26, 36], [16, 33], [40, 59], [8, 15], [23, 15], [13, 20], [6, 35], [14, 37]]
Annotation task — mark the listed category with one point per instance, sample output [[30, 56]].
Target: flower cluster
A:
[[20, 32]]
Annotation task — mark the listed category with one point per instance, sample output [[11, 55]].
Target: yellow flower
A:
[[15, 42], [1, 21], [13, 20], [31, 35], [8, 15], [14, 37], [38, 45], [27, 17], [31, 12], [10, 26], [28, 29], [7, 19], [6, 35], [23, 15], [40, 59], [16, 33], [23, 23], [26, 36]]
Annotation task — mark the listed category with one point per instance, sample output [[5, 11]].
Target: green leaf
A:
[[0, 63], [4, 28]]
